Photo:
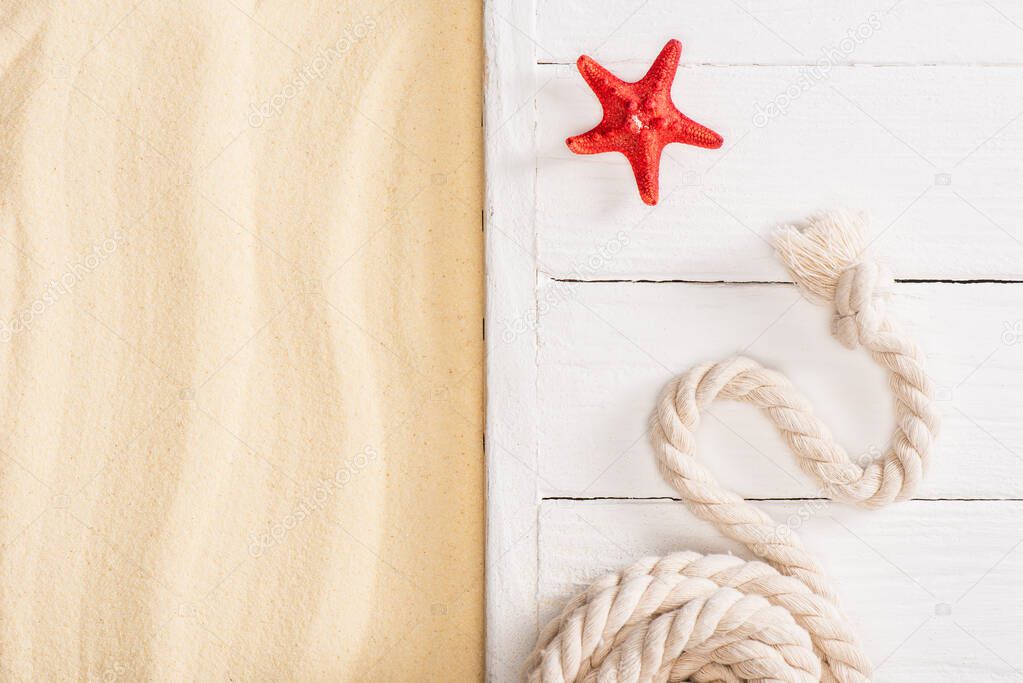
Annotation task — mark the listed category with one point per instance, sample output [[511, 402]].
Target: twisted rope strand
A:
[[690, 617]]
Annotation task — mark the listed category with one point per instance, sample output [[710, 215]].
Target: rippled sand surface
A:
[[240, 341]]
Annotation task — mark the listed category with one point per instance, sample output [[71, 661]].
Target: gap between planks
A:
[[585, 499], [910, 281], [806, 65]]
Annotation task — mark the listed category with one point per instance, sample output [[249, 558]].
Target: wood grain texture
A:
[[931, 152], [608, 348], [785, 32], [511, 369], [931, 587]]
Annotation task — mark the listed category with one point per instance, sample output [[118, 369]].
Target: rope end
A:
[[817, 251]]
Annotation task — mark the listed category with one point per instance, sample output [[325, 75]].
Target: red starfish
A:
[[640, 118]]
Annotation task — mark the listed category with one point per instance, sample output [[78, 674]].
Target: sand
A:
[[240, 251]]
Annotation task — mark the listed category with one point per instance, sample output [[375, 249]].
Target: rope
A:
[[691, 617]]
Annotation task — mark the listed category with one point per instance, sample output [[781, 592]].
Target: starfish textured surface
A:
[[640, 118]]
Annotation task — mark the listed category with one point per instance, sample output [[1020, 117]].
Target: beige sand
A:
[[241, 340]]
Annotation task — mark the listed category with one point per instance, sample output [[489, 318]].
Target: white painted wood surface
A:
[[913, 145], [783, 31], [932, 587], [921, 123], [510, 435], [607, 349]]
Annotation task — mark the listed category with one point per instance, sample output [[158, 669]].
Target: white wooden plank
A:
[[931, 586], [785, 32], [932, 152], [608, 348], [511, 369]]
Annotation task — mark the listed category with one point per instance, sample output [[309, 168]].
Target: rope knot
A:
[[861, 295], [824, 256]]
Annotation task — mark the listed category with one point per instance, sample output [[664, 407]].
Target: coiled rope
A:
[[691, 617]]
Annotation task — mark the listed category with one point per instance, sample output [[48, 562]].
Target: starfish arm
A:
[[662, 72], [591, 142], [646, 161], [599, 79], [683, 129]]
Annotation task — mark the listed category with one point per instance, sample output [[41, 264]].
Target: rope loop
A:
[[692, 617]]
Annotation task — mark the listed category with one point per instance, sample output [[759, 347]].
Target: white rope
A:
[[690, 617]]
